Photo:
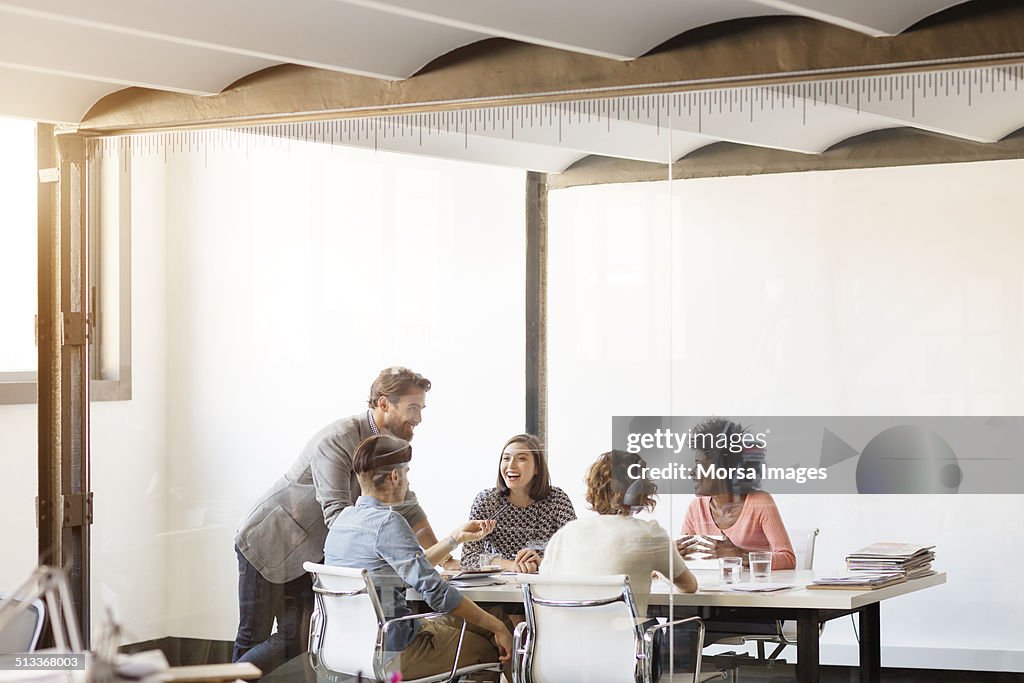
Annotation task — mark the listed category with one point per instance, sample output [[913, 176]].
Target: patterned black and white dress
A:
[[517, 527]]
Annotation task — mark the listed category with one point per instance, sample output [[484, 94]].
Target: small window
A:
[[109, 194], [17, 261]]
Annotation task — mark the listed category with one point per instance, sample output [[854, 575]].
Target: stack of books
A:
[[880, 565]]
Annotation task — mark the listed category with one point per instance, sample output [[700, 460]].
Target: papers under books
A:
[[859, 581]]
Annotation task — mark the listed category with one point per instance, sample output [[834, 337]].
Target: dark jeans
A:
[[260, 603]]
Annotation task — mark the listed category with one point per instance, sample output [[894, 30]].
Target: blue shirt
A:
[[371, 535]]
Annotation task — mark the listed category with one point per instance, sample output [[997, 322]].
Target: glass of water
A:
[[730, 569], [489, 561], [760, 565]]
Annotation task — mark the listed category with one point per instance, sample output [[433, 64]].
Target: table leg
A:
[[870, 644], [807, 666]]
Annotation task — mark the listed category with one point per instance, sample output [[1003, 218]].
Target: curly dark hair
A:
[[711, 432]]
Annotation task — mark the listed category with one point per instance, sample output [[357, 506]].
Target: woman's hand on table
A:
[[690, 547], [474, 530], [727, 548], [527, 561]]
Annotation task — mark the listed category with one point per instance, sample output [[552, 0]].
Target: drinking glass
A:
[[730, 569], [489, 560], [760, 565]]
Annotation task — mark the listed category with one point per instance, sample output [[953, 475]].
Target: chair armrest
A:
[[649, 633], [519, 652], [648, 645], [410, 617]]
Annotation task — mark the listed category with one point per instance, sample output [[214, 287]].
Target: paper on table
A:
[[750, 587], [476, 583], [461, 573]]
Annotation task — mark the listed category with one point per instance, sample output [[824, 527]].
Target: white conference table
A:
[[809, 608]]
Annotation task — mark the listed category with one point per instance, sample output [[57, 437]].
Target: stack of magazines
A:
[[880, 565], [914, 561]]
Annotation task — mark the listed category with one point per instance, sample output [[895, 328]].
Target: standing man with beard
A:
[[288, 526]]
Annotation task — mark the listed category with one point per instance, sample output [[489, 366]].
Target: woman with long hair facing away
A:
[[616, 542]]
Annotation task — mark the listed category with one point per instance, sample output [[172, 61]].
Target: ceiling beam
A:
[[439, 141], [892, 147], [745, 52], [981, 105]]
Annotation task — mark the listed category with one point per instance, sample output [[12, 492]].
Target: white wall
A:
[[867, 292], [280, 279], [18, 489]]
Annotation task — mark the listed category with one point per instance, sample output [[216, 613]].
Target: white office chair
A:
[[585, 629], [348, 631], [21, 634]]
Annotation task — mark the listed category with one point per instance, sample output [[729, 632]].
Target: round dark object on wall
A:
[[908, 459]]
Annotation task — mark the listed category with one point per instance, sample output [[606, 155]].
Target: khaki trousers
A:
[[433, 650]]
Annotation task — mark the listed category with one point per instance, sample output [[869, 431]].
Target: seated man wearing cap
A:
[[371, 535]]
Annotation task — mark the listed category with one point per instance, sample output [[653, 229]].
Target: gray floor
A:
[[786, 673]]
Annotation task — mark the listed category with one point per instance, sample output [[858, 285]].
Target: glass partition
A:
[[272, 281], [277, 269]]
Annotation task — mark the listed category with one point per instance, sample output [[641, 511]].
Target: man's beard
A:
[[398, 427]]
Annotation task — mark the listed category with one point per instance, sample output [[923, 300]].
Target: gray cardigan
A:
[[288, 526]]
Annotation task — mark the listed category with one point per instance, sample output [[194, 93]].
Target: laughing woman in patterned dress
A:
[[527, 508]]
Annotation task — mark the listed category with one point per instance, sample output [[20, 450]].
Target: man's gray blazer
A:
[[288, 526]]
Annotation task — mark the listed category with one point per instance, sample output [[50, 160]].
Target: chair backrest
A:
[[346, 621], [582, 629], [22, 634], [803, 545]]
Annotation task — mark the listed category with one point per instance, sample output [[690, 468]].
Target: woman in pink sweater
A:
[[743, 518]]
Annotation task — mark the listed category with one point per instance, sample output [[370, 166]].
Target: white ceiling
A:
[[58, 57], [202, 46]]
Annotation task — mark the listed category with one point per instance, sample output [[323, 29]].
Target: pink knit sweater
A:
[[759, 527]]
